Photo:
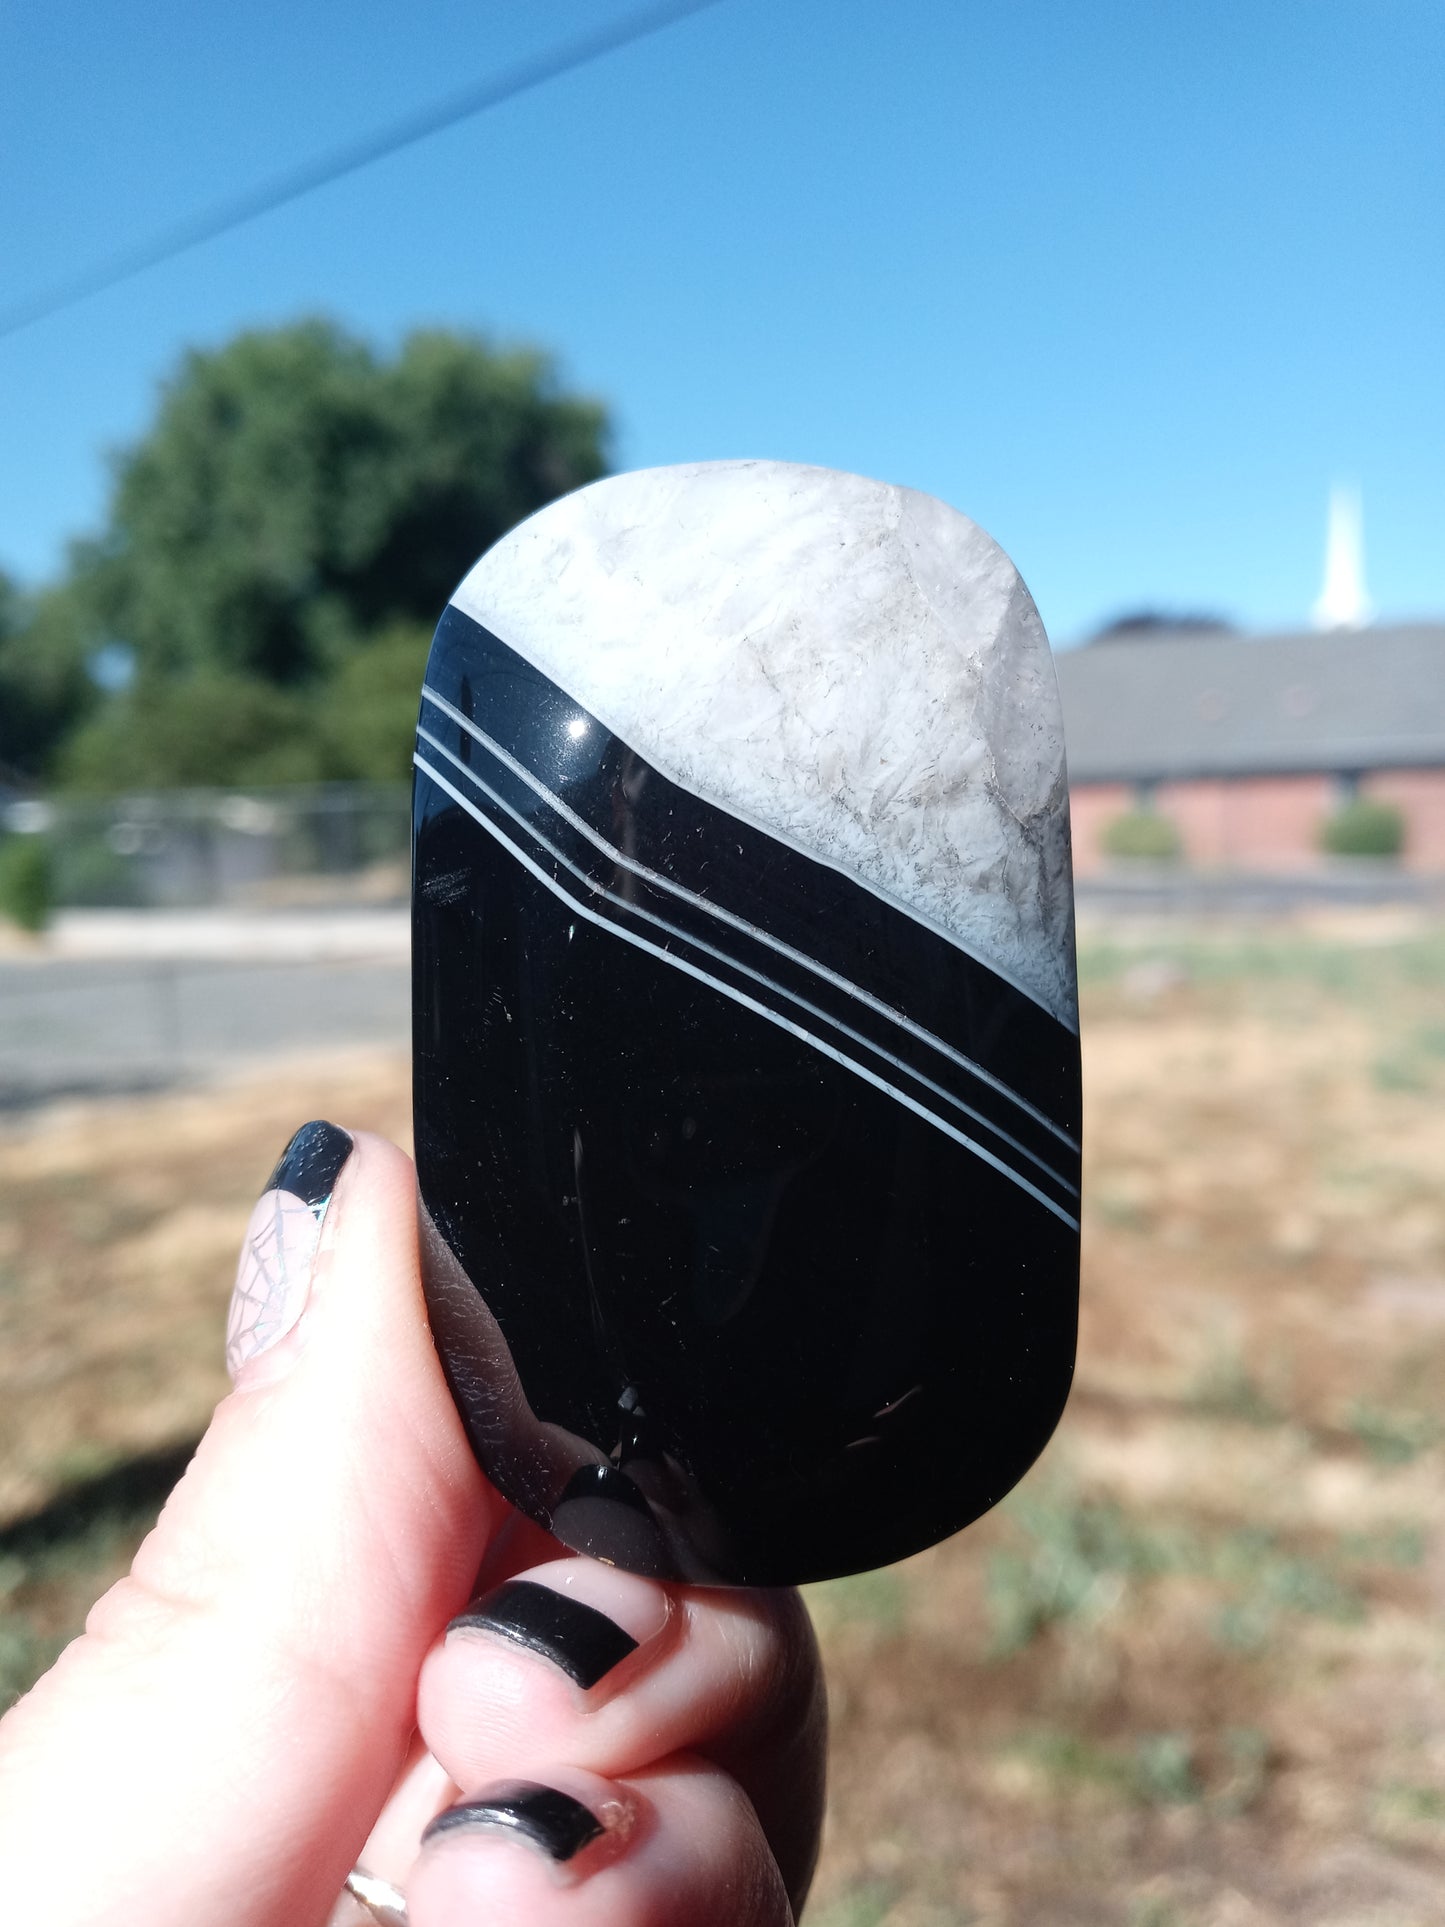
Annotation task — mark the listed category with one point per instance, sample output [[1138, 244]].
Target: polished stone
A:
[[746, 1065]]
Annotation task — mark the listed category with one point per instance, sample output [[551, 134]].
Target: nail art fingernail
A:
[[584, 1642], [542, 1816], [273, 1278]]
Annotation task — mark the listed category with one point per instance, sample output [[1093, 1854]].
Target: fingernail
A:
[[585, 1643], [273, 1278], [585, 1619], [545, 1818]]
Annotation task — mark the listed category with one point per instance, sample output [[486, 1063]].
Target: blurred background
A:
[[302, 308]]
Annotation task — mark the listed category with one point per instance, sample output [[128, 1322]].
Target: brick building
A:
[[1246, 744]]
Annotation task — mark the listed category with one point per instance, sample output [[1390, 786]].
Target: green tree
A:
[[192, 730], [301, 502], [45, 689], [373, 699]]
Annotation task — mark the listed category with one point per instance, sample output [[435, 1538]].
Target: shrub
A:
[[1142, 835], [1364, 827], [26, 881]]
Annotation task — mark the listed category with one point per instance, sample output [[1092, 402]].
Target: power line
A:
[[348, 159]]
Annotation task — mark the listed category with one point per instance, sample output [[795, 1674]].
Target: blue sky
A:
[[1130, 284]]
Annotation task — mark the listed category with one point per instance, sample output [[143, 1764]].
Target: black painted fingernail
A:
[[585, 1643], [540, 1815], [311, 1163], [273, 1279]]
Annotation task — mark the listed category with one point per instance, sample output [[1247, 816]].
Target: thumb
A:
[[218, 1743]]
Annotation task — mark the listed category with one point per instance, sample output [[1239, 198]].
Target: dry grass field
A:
[[1193, 1673]]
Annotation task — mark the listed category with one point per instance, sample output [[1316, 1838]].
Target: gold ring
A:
[[386, 1904]]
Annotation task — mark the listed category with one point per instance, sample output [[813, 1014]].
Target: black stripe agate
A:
[[749, 1200]]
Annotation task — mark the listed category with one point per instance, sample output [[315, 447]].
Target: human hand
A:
[[273, 1694]]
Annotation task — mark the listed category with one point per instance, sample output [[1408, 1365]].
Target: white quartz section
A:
[[855, 668]]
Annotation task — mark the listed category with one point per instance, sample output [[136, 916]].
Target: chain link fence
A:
[[262, 848]]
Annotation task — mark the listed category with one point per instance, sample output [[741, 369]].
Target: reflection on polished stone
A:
[[747, 1104]]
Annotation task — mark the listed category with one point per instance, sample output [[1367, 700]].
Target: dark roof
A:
[[1228, 705]]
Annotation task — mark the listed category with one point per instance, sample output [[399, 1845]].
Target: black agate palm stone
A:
[[746, 1051]]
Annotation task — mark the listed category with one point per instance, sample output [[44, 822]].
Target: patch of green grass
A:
[[1246, 1770], [80, 1463], [1390, 1435], [1069, 1760], [1116, 1208], [1077, 1560], [1154, 1910], [1267, 1583], [1403, 1810], [877, 1599], [1294, 1582], [1101, 962], [1163, 1769], [1399, 1073], [1413, 1062], [1072, 1561], [1156, 1769], [1420, 1802], [1400, 1545], [1379, 976], [1245, 1626], [865, 1906], [1227, 1389]]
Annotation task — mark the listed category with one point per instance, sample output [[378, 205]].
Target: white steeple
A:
[[1343, 603]]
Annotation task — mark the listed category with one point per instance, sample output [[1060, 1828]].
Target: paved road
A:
[[71, 1027]]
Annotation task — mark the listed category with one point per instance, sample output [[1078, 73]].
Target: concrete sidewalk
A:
[[228, 935]]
